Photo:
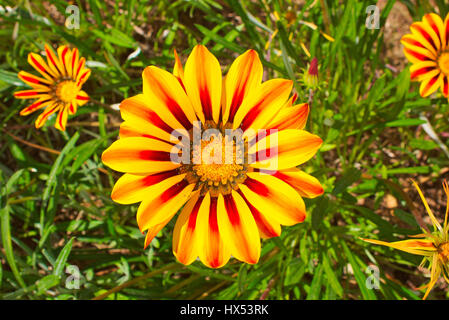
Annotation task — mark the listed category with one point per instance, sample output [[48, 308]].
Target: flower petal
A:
[[54, 63], [274, 198], [424, 70], [268, 228], [39, 64], [33, 81], [244, 76], [305, 184], [294, 117], [203, 83], [131, 188], [39, 104], [283, 149], [212, 250], [263, 105], [237, 225], [165, 95], [49, 110], [429, 86], [136, 111], [162, 201], [185, 234], [139, 155], [61, 119], [32, 93], [424, 247]]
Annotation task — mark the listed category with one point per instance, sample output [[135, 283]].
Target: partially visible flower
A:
[[311, 75], [433, 246], [427, 49], [59, 88]]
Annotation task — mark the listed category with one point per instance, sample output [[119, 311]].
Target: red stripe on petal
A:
[[26, 94], [231, 209], [154, 155], [82, 77], [430, 84], [425, 35], [39, 65], [214, 241], [445, 87], [49, 55], [420, 72], [30, 79], [257, 187], [416, 55], [82, 98], [173, 190], [263, 226], [206, 103]]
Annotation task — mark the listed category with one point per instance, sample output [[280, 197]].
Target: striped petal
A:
[[274, 198], [64, 57], [435, 27], [284, 149], [39, 104], [165, 95], [212, 250], [244, 76], [49, 110], [424, 247], [82, 98], [41, 66], [424, 70], [268, 228], [139, 155], [426, 36], [415, 51], [203, 83], [33, 81], [429, 86], [153, 231], [131, 188], [263, 105], [61, 119], [178, 71], [238, 227], [294, 117], [136, 111], [305, 184], [163, 201], [186, 233], [54, 63], [32, 93]]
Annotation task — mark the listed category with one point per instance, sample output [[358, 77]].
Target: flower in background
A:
[[427, 48], [59, 88], [226, 206], [310, 77], [433, 246]]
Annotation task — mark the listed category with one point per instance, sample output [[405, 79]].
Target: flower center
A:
[[443, 252], [443, 62], [217, 162], [66, 91]]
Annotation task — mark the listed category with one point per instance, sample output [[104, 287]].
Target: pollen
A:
[[443, 252], [443, 62], [66, 91]]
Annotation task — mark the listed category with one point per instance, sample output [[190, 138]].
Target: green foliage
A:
[[55, 205]]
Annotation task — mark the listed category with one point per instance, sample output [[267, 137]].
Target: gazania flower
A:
[[427, 48], [433, 246], [228, 202], [59, 88]]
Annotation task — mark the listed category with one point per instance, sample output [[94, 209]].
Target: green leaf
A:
[[46, 283], [62, 258]]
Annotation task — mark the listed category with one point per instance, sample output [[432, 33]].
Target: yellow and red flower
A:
[[433, 246], [59, 88], [427, 48], [225, 207]]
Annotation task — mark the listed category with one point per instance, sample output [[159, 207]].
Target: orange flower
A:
[[228, 202], [59, 88], [433, 246], [427, 49]]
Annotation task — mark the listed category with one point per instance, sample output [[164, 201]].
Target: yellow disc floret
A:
[[66, 91]]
